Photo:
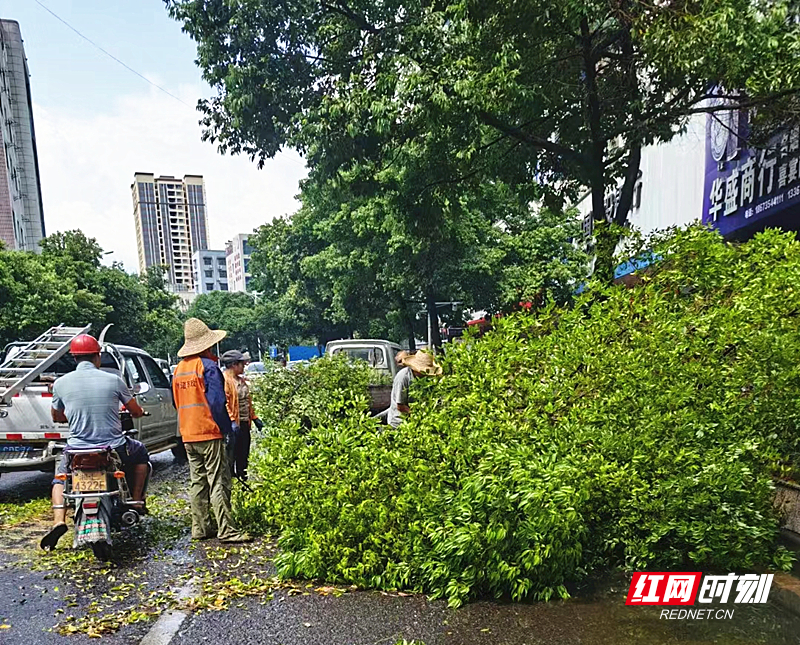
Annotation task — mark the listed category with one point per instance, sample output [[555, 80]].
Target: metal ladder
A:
[[33, 359]]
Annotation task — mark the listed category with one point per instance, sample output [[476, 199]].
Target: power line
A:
[[111, 56]]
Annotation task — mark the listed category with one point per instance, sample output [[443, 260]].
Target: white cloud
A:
[[87, 165]]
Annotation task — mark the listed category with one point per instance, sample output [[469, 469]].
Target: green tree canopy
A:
[[571, 90], [68, 284], [370, 249], [235, 312]]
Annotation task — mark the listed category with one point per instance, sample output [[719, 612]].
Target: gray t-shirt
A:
[[90, 399], [399, 395]]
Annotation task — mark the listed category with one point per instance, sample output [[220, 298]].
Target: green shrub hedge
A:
[[639, 428]]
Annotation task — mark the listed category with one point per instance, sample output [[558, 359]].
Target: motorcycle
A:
[[96, 486]]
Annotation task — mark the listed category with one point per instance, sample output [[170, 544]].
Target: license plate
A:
[[88, 481]]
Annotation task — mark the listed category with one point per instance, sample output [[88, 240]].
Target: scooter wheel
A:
[[102, 551]]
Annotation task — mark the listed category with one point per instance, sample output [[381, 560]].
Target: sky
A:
[[97, 123]]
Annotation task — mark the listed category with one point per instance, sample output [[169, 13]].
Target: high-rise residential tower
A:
[[171, 225], [21, 213]]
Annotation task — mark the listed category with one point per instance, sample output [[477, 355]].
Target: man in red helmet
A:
[[89, 399]]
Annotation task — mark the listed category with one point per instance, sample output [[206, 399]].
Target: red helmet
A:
[[84, 344]]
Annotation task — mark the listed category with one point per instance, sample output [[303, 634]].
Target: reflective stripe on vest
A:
[[194, 414]]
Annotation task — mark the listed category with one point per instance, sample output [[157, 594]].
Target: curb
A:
[[787, 585], [168, 624], [787, 592]]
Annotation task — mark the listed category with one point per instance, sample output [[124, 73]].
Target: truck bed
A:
[[380, 397], [29, 440]]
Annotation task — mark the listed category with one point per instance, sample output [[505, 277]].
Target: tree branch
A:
[[343, 10], [531, 140], [626, 194], [710, 109]]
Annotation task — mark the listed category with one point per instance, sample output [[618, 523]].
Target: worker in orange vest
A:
[[205, 426]]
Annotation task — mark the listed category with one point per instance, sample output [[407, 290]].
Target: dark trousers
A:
[[241, 452]]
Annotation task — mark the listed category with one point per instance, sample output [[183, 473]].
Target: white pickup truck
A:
[[30, 440], [380, 354]]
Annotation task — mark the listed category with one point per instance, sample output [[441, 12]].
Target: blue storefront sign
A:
[[745, 187]]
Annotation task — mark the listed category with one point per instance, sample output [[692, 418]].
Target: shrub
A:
[[639, 428]]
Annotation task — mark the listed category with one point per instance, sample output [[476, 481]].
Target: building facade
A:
[[748, 189], [171, 225], [709, 174], [210, 271], [669, 191], [21, 211], [237, 253]]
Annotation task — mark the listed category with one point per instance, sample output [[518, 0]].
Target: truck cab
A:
[[379, 354]]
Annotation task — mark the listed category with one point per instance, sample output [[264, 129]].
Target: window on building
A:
[[223, 273], [207, 261], [209, 286], [209, 274], [223, 286]]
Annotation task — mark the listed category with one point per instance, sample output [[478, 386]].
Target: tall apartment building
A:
[[237, 253], [210, 271], [171, 225], [21, 212]]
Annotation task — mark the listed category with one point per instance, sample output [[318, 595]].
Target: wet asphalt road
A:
[[24, 485], [30, 602], [376, 619]]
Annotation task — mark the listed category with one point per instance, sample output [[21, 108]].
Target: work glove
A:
[[258, 424]]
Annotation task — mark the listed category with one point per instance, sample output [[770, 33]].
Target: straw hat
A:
[[424, 363], [198, 337]]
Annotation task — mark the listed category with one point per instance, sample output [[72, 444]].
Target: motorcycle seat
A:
[[89, 458]]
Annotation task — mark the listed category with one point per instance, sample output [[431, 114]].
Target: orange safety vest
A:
[[232, 398], [195, 420]]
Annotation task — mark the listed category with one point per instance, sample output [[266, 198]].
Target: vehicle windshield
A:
[[255, 367], [374, 356]]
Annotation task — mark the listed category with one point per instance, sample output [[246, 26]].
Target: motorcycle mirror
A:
[[141, 388]]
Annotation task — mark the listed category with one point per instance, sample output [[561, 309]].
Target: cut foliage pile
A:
[[638, 428]]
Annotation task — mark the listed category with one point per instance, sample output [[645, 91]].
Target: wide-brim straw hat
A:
[[198, 337], [424, 363]]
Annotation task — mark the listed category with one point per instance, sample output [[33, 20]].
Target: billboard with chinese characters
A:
[[745, 187]]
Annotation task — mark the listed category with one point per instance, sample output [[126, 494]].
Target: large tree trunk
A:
[[604, 244], [434, 337], [408, 322], [412, 341]]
